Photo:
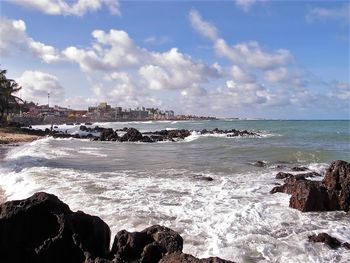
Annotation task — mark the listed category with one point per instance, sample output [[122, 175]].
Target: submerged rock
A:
[[330, 241], [299, 169], [260, 164], [332, 193]]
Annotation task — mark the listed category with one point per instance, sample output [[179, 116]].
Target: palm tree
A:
[[7, 99]]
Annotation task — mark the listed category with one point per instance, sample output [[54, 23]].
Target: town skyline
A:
[[245, 58]]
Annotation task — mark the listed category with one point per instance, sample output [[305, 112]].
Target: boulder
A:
[[108, 135], [332, 193], [299, 169], [260, 164], [337, 181], [147, 246], [132, 135], [43, 229], [182, 134], [330, 241], [146, 139], [283, 175]]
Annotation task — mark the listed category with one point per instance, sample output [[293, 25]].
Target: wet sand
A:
[[12, 135]]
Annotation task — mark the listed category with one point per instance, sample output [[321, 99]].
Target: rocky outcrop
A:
[[132, 135], [337, 181], [330, 241], [43, 229], [332, 193], [230, 133], [149, 245]]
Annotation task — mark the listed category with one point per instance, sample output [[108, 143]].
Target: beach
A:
[[12, 135]]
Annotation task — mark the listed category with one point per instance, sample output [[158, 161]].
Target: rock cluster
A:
[[132, 134], [330, 241], [43, 229], [332, 193]]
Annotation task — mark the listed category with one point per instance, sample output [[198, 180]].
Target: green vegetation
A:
[[8, 101]]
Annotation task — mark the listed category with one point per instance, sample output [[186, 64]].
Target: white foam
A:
[[233, 216]]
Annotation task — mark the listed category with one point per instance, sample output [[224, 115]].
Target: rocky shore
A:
[[133, 135], [43, 229], [330, 194]]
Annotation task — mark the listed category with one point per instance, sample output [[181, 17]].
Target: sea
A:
[[135, 185]]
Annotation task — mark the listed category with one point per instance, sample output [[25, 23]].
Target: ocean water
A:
[[134, 185]]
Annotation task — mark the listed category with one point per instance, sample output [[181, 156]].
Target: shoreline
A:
[[11, 135]]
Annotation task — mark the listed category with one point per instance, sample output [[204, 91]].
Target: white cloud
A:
[[36, 85], [338, 14], [203, 27], [63, 7], [276, 75], [245, 4], [340, 91], [153, 40], [242, 76], [112, 50], [14, 39], [251, 54], [115, 51]]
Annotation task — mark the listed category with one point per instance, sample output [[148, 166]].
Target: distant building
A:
[[169, 114]]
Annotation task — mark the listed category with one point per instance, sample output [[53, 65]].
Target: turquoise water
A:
[[134, 185]]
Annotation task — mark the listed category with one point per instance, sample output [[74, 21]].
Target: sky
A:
[[243, 58]]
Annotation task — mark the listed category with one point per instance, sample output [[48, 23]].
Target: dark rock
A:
[[337, 181], [84, 128], [150, 244], [168, 239], [333, 193], [330, 241], [44, 229], [129, 246], [204, 131], [206, 178], [146, 139], [132, 135], [260, 164], [182, 134], [299, 169], [283, 175], [108, 135], [185, 258], [346, 245], [152, 253], [309, 196]]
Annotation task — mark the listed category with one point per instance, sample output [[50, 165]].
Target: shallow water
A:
[[134, 185]]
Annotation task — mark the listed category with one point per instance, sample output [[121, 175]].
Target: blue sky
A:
[[245, 58]]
